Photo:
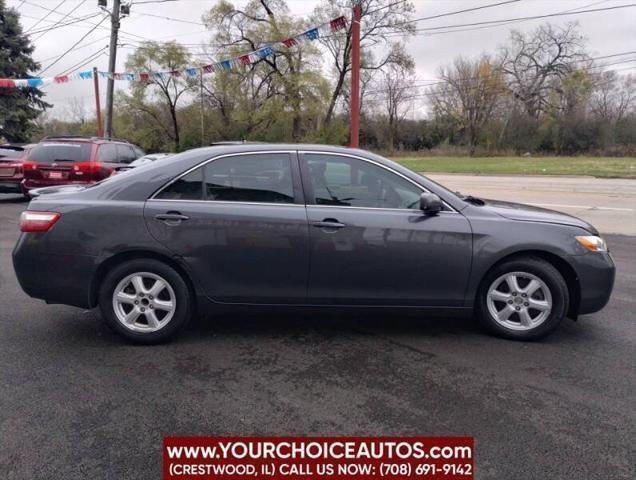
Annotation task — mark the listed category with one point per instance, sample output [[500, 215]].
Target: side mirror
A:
[[430, 204]]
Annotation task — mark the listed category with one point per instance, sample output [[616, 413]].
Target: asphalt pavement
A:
[[76, 402]]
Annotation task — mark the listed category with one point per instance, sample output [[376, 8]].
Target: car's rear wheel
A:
[[524, 299], [145, 300]]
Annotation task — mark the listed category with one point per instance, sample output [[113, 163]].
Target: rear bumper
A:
[[52, 277], [30, 183], [596, 272], [8, 185]]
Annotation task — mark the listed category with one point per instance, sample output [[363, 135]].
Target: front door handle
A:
[[172, 218], [329, 223]]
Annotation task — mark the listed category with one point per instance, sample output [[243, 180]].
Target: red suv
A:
[[75, 160], [11, 172]]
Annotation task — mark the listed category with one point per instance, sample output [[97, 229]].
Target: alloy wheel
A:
[[144, 302], [519, 301]]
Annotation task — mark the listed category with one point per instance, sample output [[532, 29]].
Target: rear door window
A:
[[125, 153], [61, 152], [107, 153], [253, 178], [258, 177]]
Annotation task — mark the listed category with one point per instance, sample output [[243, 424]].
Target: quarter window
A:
[[188, 187], [350, 182]]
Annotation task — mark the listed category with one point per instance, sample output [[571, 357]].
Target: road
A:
[[607, 203], [76, 402]]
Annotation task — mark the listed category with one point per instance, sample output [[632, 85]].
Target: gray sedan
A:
[[303, 226]]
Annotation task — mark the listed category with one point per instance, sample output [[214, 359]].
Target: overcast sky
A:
[[608, 32]]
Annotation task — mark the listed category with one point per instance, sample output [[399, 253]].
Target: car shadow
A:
[[13, 199], [299, 322]]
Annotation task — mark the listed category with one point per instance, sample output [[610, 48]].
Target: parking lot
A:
[[77, 402]]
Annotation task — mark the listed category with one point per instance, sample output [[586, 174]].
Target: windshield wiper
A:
[[471, 199]]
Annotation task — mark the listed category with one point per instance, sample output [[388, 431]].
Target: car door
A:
[[239, 222], [369, 242]]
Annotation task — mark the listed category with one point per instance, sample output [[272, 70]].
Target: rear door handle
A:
[[172, 217], [329, 223]]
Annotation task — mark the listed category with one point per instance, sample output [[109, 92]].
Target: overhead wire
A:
[[73, 46], [49, 11], [532, 17], [60, 20]]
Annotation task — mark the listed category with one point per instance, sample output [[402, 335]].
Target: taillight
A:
[[86, 167], [29, 165], [31, 221]]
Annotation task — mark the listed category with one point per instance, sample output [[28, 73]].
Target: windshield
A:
[[61, 152]]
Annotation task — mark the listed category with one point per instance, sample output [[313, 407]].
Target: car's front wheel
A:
[[145, 300], [524, 299]]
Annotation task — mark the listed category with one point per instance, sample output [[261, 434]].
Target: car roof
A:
[[81, 138], [222, 148]]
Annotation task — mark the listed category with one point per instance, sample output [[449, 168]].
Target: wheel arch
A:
[[563, 266], [117, 259]]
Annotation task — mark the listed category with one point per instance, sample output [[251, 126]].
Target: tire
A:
[[496, 300], [162, 309]]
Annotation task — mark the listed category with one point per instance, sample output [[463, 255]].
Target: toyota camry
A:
[[303, 226]]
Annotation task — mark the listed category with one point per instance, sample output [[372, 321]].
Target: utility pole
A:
[[202, 106], [112, 60], [98, 107], [355, 76]]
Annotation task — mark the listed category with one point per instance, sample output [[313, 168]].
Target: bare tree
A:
[[395, 92], [613, 96], [536, 62], [379, 20], [76, 110], [468, 94]]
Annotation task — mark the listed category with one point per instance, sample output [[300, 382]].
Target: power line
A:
[[60, 20], [85, 60], [181, 20], [503, 24], [86, 45], [73, 46], [71, 22], [45, 16], [491, 5], [533, 17]]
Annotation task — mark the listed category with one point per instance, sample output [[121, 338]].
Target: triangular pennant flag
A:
[[311, 34], [338, 23]]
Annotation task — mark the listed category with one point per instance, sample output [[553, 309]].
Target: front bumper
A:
[[596, 272], [55, 278]]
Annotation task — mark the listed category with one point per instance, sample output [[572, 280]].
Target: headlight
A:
[[593, 243]]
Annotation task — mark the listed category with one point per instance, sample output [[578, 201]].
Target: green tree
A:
[[284, 87], [19, 107], [158, 97]]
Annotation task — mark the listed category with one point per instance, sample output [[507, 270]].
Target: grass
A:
[[608, 167]]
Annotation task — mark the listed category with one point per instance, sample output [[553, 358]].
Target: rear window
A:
[[11, 153], [61, 152]]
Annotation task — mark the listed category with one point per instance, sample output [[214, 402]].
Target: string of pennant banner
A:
[[315, 33]]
